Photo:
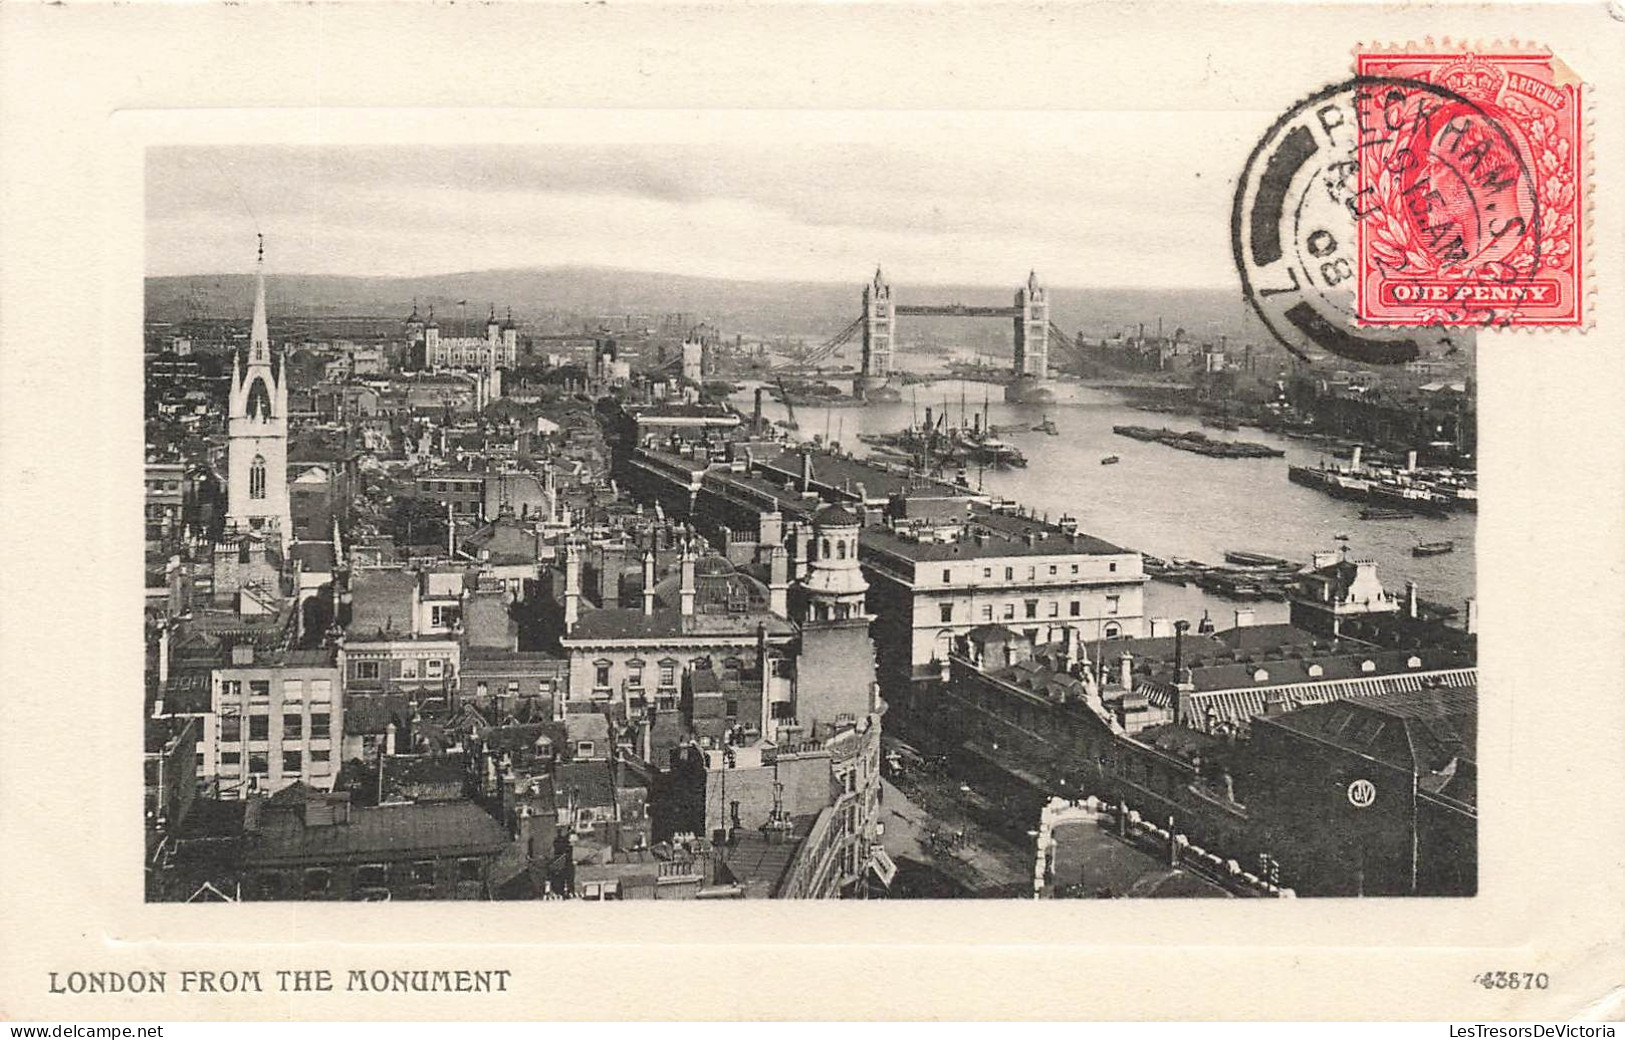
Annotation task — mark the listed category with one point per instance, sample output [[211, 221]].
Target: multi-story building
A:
[[498, 348], [401, 635], [464, 493], [938, 566], [277, 718], [321, 848], [168, 484]]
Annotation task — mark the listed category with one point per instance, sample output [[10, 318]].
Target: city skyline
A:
[[929, 209]]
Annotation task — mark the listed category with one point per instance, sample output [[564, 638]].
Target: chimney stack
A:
[[803, 542], [806, 470], [572, 587], [1410, 461], [770, 528], [525, 830], [1180, 627], [756, 418], [1128, 671], [389, 739], [1244, 618], [648, 582], [1410, 599], [163, 656], [686, 589], [1354, 459], [778, 582]]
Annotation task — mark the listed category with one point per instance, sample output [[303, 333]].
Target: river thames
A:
[[1167, 502]]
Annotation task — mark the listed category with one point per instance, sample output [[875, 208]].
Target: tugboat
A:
[[1110, 460], [1047, 426], [1433, 548]]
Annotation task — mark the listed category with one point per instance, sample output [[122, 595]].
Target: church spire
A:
[[259, 344]]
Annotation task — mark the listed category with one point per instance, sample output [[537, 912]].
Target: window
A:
[[443, 616], [584, 748], [1112, 604], [293, 690], [231, 758], [320, 760], [824, 553], [1074, 568], [987, 612], [1074, 609], [1054, 608], [259, 727], [423, 872], [320, 726], [363, 670], [1032, 608], [256, 477], [469, 870], [317, 882], [601, 673], [634, 674], [259, 762], [1032, 572], [293, 727], [409, 668], [1112, 631], [1009, 574], [1009, 611], [370, 875], [231, 728], [434, 668], [947, 610], [947, 576], [1112, 567], [259, 690], [1053, 569], [321, 689], [987, 572], [668, 673], [293, 762], [231, 690]]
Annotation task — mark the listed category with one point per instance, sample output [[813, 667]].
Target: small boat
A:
[[1047, 426], [1433, 548], [1252, 559], [1110, 460], [1385, 514], [1341, 537]]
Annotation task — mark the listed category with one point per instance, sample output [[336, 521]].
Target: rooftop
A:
[[985, 534], [411, 830]]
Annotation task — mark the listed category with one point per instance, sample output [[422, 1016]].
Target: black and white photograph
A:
[[1022, 511], [602, 523]]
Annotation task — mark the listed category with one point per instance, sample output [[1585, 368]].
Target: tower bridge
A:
[[877, 325]]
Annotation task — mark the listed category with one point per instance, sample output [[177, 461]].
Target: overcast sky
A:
[[1123, 200]]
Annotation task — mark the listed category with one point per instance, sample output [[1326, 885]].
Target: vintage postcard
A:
[[950, 501]]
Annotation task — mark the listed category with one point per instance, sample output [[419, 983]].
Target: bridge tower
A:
[[1031, 368], [879, 335]]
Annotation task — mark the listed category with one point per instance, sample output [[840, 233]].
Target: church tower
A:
[[834, 589], [257, 432]]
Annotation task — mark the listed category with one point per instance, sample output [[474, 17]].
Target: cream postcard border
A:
[[86, 90]]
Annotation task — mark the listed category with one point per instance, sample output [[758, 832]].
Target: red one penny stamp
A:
[[1470, 197]]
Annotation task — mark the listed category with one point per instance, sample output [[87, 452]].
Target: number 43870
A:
[[1513, 979]]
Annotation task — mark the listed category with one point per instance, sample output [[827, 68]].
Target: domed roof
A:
[[712, 564], [835, 516]]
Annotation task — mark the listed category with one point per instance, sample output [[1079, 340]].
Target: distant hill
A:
[[810, 309]]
